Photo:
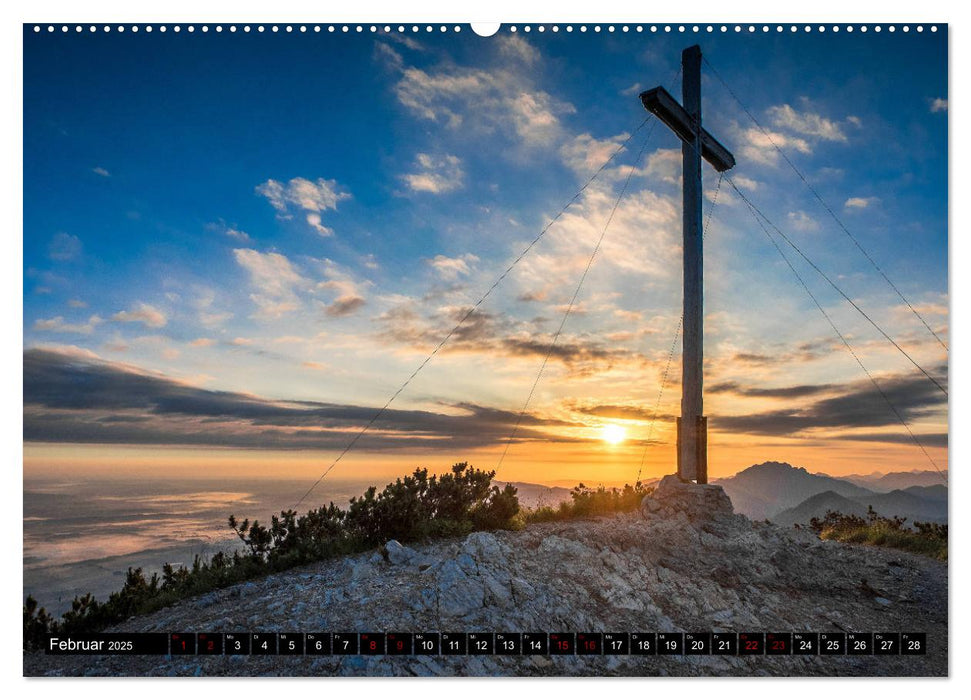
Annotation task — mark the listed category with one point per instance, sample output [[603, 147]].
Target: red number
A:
[[751, 645]]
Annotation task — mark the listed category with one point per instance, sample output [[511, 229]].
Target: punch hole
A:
[[486, 29]]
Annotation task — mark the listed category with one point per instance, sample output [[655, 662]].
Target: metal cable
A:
[[753, 210], [677, 333], [472, 310], [826, 206], [573, 300], [836, 287]]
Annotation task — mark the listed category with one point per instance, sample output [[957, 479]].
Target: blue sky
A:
[[277, 229]]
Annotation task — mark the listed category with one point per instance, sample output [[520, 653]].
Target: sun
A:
[[613, 434]]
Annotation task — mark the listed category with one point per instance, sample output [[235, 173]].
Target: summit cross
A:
[[697, 144]]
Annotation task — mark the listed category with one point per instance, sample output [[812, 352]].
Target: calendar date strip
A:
[[492, 643]]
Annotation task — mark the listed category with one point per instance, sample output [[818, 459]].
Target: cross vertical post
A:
[[697, 144], [692, 462]]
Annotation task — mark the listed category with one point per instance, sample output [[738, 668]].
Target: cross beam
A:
[[697, 143], [659, 102]]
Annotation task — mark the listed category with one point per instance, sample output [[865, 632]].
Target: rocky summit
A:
[[687, 562]]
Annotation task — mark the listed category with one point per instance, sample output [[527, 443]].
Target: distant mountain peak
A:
[[772, 465]]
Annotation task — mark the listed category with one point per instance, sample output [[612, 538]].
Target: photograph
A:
[[415, 350]]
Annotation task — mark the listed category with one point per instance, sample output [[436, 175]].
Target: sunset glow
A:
[[613, 433], [249, 303]]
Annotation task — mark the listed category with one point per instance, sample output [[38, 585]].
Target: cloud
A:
[[203, 302], [57, 325], [760, 145], [348, 289], [274, 279], [584, 154], [388, 56], [518, 49], [502, 98], [312, 198], [495, 335], [664, 164], [622, 412], [231, 231], [790, 130], [344, 305], [145, 314], [77, 304], [860, 202], [313, 218], [435, 174], [938, 104], [745, 183], [202, 343], [801, 221], [855, 405], [68, 398], [64, 246], [101, 171], [452, 268], [926, 439], [786, 392], [805, 123]]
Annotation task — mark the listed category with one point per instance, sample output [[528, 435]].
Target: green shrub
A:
[[585, 502], [929, 539], [414, 508]]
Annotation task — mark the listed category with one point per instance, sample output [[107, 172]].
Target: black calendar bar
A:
[[818, 644], [108, 643]]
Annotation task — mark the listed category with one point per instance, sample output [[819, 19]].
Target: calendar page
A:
[[536, 349]]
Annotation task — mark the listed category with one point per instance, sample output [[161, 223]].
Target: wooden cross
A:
[[697, 144]]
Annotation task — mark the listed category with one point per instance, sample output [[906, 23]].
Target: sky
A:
[[238, 247]]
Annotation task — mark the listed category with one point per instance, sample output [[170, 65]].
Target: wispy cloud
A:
[[204, 304], [501, 98], [59, 325], [806, 123], [801, 221], [938, 104], [759, 145], [791, 130], [231, 231], [310, 197], [146, 314], [860, 202], [452, 268], [68, 398], [64, 247], [435, 174], [100, 171], [584, 153], [340, 281], [493, 335], [274, 279], [855, 405]]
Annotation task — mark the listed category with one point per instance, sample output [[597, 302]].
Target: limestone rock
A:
[[398, 554], [697, 502]]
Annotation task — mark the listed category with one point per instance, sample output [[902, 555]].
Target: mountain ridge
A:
[[687, 564]]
